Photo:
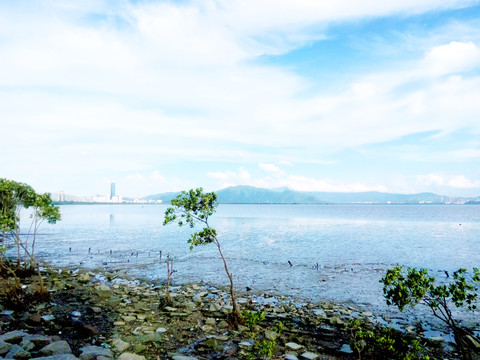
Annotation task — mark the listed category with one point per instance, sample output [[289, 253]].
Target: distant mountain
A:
[[252, 195], [165, 197]]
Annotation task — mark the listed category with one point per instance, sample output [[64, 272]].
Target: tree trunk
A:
[[235, 316]]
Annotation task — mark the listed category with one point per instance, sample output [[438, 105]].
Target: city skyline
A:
[[161, 96]]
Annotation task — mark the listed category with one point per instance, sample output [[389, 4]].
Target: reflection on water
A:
[[338, 252]]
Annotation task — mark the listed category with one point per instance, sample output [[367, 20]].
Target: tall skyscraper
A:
[[112, 190]]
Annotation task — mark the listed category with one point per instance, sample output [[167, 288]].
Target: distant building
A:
[[112, 191], [61, 196]]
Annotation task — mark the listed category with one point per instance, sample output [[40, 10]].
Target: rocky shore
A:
[[96, 315]]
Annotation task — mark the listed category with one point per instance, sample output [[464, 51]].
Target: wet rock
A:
[[346, 349], [130, 356], [309, 355], [119, 345], [17, 352], [58, 357], [5, 348], [320, 313], [291, 357], [34, 318], [94, 352], [138, 348], [129, 318], [271, 335], [245, 345], [212, 343], [293, 346], [210, 321], [55, 348], [222, 324], [83, 278], [13, 337], [27, 345], [183, 357], [48, 317], [161, 330], [335, 320]]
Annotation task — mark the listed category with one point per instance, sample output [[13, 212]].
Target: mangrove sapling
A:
[[14, 197], [195, 207], [167, 300], [411, 287]]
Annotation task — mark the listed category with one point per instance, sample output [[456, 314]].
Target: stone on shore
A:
[[119, 345], [94, 352], [309, 355], [58, 357], [130, 356], [56, 348], [17, 352], [293, 346]]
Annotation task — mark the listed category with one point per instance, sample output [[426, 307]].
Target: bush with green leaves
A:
[[253, 318], [384, 343], [195, 207], [15, 196], [410, 287]]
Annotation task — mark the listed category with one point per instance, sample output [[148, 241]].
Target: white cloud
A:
[[453, 57], [449, 181], [271, 168], [461, 182], [147, 82], [230, 178]]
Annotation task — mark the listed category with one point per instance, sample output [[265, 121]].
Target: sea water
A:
[[314, 252]]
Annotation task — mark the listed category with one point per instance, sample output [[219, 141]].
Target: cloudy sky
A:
[[315, 95]]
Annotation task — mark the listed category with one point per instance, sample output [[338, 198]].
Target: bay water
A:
[[314, 252]]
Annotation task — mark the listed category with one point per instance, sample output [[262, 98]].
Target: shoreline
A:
[[120, 313]]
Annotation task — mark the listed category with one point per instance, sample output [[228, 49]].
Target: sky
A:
[[313, 95]]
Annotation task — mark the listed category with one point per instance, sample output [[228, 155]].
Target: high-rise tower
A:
[[112, 190]]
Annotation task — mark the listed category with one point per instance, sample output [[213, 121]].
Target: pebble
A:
[[309, 355], [130, 356], [94, 352], [161, 330], [346, 349], [291, 357], [119, 345], [293, 346]]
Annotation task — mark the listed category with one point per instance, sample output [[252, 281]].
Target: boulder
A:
[[94, 352], [55, 348], [13, 337], [17, 352]]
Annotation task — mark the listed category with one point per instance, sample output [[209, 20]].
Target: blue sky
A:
[[162, 96]]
